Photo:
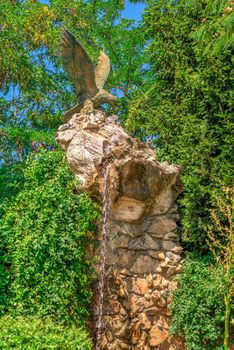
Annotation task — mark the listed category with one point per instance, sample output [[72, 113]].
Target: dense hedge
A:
[[45, 231], [31, 333]]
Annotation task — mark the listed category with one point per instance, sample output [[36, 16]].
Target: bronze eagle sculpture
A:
[[88, 81]]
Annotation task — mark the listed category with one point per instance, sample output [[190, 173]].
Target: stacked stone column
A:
[[142, 251]]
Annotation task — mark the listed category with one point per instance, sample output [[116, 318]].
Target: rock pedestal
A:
[[142, 253]]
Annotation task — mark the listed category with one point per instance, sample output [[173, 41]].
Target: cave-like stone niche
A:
[[142, 250]]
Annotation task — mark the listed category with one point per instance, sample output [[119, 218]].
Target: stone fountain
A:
[[141, 253]]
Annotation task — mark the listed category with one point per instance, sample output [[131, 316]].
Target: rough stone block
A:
[[141, 251]]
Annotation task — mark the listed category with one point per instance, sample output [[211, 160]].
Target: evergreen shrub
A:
[[185, 103]]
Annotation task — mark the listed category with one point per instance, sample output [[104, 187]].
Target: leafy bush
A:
[[44, 232], [198, 305], [31, 333]]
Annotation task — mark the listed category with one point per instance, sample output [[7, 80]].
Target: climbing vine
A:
[[45, 232]]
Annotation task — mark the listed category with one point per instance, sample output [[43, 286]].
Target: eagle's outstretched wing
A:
[[78, 65], [102, 70]]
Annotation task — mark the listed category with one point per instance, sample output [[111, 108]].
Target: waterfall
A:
[[101, 283]]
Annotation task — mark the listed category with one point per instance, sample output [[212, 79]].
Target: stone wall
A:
[[142, 252]]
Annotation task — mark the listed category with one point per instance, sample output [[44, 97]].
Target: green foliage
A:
[[45, 225], [198, 306], [34, 89], [186, 101], [45, 231], [31, 333], [11, 178], [179, 91]]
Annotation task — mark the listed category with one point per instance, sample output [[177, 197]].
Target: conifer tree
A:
[[185, 102]]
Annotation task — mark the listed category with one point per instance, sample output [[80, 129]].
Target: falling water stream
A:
[[100, 306]]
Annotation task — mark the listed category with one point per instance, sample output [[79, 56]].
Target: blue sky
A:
[[133, 11]]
